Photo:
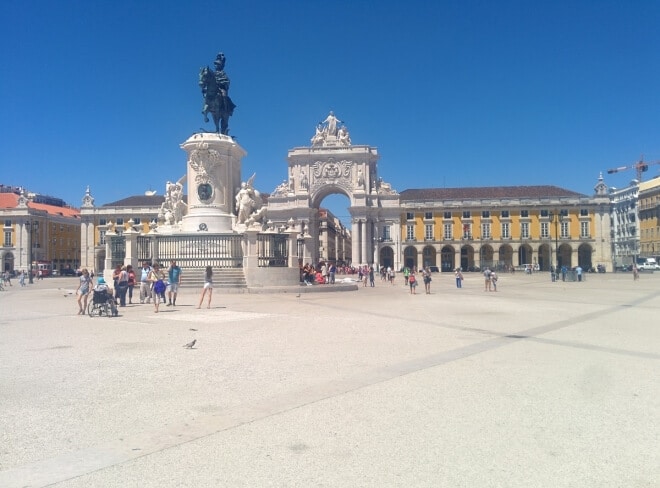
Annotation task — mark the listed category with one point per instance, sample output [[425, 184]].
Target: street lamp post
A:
[[32, 225], [556, 218]]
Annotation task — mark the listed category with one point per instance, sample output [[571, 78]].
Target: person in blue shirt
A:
[[174, 275]]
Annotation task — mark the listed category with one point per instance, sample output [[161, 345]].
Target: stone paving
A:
[[538, 385]]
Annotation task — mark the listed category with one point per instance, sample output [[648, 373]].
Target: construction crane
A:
[[640, 167]]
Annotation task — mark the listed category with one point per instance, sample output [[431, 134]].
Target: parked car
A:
[[649, 264]]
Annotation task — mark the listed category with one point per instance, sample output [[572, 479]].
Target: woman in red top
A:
[[131, 282]]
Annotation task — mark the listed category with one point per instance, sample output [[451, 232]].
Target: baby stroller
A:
[[102, 304]]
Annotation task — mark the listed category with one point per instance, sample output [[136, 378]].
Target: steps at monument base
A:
[[222, 278]]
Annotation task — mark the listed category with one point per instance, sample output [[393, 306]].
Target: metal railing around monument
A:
[[272, 250], [219, 251]]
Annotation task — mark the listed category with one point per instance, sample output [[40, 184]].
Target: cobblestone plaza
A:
[[541, 384]]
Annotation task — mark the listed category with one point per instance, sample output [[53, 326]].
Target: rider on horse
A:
[[215, 89]]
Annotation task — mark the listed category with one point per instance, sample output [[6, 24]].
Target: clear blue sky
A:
[[453, 93]]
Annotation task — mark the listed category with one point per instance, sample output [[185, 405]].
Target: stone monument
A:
[[213, 174], [214, 159]]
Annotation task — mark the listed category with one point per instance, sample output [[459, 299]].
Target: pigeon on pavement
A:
[[190, 345]]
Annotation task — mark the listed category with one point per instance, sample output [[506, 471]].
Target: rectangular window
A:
[[563, 212], [485, 214], [102, 222], [410, 232], [544, 213], [7, 242], [101, 238], [7, 223], [524, 213], [447, 215], [467, 231], [485, 231], [524, 230], [545, 230], [564, 230], [120, 221], [428, 215], [428, 232], [505, 230], [505, 214], [61, 228], [584, 229], [447, 230], [466, 214], [387, 236], [137, 221], [584, 212]]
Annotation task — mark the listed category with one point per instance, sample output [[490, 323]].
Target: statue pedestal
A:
[[213, 177]]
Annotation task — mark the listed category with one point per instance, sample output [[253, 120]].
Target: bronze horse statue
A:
[[216, 99]]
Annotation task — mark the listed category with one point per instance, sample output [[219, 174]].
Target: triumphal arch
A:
[[332, 164]]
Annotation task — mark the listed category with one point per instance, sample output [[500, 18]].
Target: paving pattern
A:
[[538, 384]]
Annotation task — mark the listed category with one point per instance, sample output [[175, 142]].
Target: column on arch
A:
[[356, 227]]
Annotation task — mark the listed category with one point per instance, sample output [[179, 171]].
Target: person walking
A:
[[122, 286], [487, 282], [332, 271], [459, 278], [412, 281], [145, 291], [174, 276], [208, 287], [493, 280], [157, 284], [426, 273], [371, 276], [84, 287]]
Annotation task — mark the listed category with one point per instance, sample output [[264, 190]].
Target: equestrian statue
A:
[[215, 89]]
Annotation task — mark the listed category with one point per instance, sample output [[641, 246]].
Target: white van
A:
[[649, 264]]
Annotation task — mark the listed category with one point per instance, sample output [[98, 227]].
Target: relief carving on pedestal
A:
[[203, 162]]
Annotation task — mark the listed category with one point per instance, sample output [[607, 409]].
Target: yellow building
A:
[[40, 230], [649, 221], [502, 228]]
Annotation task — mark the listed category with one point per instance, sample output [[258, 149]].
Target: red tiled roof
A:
[[10, 200], [53, 210], [487, 192]]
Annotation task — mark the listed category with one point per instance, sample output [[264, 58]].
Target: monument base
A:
[[207, 219], [213, 178]]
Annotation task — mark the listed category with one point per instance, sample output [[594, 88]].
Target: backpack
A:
[[159, 286]]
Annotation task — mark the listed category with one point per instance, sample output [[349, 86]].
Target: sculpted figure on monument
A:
[[331, 124], [215, 89], [344, 137], [173, 208], [319, 137], [249, 206]]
